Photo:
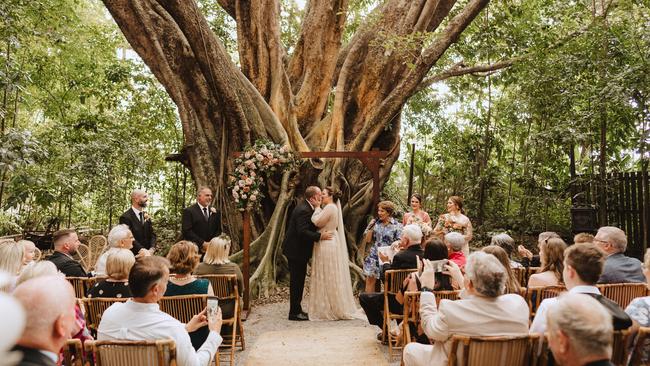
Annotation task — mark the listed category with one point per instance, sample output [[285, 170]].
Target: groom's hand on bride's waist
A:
[[326, 235]]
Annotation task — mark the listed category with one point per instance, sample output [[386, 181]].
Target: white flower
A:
[[247, 154], [235, 189], [241, 183], [213, 210], [259, 157], [243, 196], [235, 195], [253, 197]]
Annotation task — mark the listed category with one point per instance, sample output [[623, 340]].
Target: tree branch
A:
[[460, 69]]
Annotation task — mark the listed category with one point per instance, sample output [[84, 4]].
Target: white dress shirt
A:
[[140, 321], [539, 323]]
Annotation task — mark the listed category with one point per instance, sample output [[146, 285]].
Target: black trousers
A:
[[297, 273], [373, 305]]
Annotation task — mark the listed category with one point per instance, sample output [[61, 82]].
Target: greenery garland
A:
[[252, 165]]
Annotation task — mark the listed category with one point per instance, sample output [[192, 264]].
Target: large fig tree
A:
[[321, 95]]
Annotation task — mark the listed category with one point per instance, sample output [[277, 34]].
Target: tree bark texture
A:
[[322, 96]]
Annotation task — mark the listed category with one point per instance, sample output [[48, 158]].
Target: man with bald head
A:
[[49, 304], [201, 222], [140, 224], [66, 242]]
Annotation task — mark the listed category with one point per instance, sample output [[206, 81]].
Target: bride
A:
[[330, 291]]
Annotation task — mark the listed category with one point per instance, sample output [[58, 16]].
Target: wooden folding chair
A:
[[521, 274], [72, 353], [535, 295], [394, 278], [95, 307], [494, 351], [411, 314], [83, 256], [449, 295], [641, 351], [623, 293], [81, 285], [97, 244], [37, 254], [226, 289], [184, 307], [133, 353]]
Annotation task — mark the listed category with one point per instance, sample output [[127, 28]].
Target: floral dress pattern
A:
[[384, 234], [639, 310]]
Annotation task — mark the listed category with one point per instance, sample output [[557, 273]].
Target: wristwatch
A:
[[426, 289]]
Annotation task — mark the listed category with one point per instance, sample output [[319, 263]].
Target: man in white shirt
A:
[[140, 318], [583, 265]]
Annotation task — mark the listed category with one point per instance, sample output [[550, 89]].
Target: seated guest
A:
[[551, 254], [216, 261], [434, 250], [12, 324], [619, 268], [38, 269], [140, 318], [406, 258], [184, 258], [579, 331], [66, 243], [530, 260], [49, 304], [639, 308], [455, 242], [581, 238], [11, 261], [583, 264], [483, 311], [512, 283], [118, 266], [507, 243], [29, 251], [119, 237]]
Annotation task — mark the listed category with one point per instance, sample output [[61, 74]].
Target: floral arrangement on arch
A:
[[252, 165]]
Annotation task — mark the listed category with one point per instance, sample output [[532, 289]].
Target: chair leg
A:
[[240, 331], [216, 358]]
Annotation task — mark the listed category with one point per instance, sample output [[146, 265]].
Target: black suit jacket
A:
[[33, 357], [620, 319], [142, 233], [301, 233], [196, 228], [67, 265], [404, 259]]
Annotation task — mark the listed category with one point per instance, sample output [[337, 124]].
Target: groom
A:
[[298, 247]]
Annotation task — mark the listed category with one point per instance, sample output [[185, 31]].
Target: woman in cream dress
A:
[[330, 291]]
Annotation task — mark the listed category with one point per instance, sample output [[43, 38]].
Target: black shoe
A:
[[298, 317], [305, 314]]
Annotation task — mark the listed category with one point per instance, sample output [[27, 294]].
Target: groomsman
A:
[[201, 222], [139, 223]]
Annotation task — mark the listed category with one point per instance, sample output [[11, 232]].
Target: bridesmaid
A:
[[418, 212], [455, 220]]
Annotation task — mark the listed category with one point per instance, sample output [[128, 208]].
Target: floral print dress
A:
[[384, 234], [639, 310]]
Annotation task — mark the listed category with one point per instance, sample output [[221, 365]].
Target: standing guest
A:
[[140, 318], [619, 268], [201, 222], [530, 260], [139, 223], [299, 246], [583, 264], [66, 244], [551, 253], [411, 249], [507, 243], [580, 238], [455, 243], [382, 232], [580, 331], [120, 237], [512, 283], [29, 252], [49, 305], [418, 213], [11, 260], [118, 266], [455, 221], [184, 258], [486, 311]]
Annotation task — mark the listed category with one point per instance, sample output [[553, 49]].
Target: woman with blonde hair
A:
[[551, 254], [216, 261], [118, 266], [29, 252], [512, 283], [38, 269], [11, 260]]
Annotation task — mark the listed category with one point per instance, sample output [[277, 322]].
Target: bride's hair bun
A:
[[335, 193]]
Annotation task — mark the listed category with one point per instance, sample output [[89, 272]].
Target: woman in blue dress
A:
[[382, 232]]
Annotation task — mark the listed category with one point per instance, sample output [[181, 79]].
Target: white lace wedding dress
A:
[[330, 290]]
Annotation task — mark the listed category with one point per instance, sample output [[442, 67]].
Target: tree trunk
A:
[[283, 98]]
